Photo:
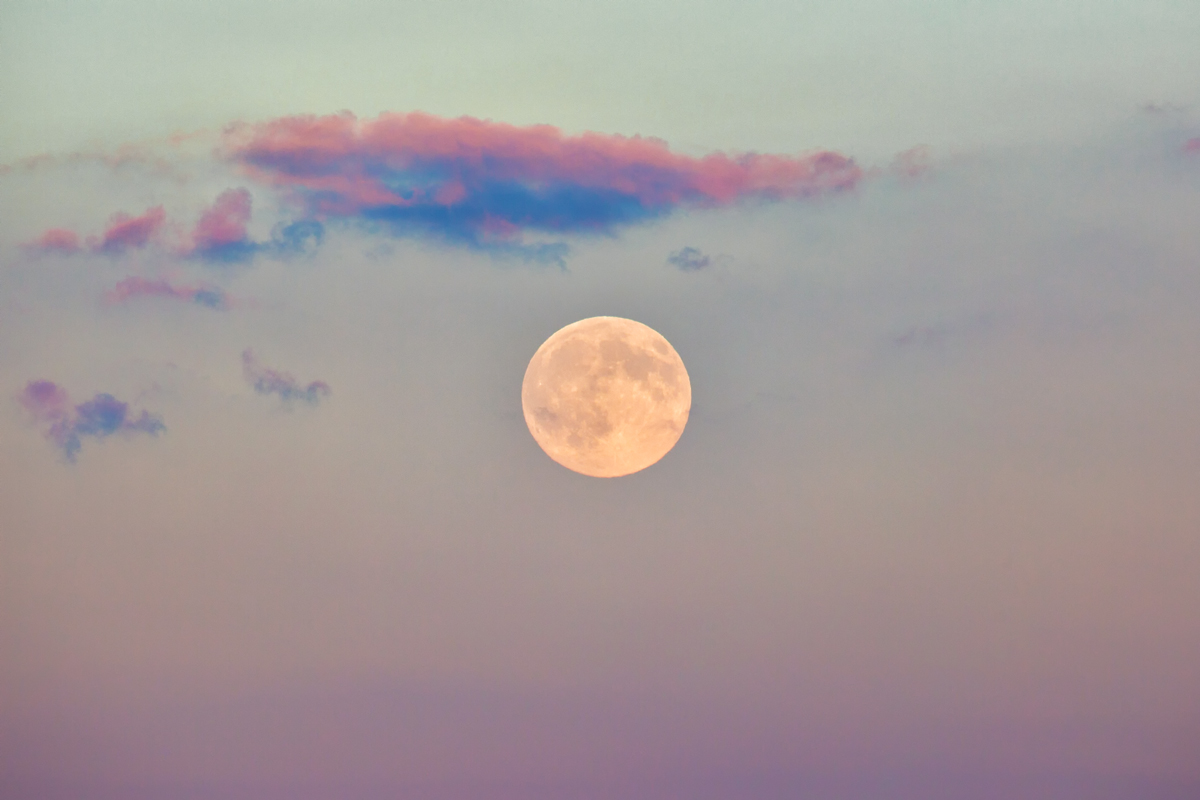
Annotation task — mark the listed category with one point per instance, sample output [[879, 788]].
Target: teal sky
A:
[[866, 77]]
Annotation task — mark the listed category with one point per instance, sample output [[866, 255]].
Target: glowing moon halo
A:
[[606, 396]]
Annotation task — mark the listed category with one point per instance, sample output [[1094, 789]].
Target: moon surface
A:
[[606, 396]]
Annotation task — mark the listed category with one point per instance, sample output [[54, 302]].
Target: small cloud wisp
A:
[[65, 425], [220, 234], [125, 232], [56, 240], [269, 381], [689, 259], [912, 163], [203, 295]]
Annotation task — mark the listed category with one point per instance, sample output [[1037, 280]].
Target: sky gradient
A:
[[271, 522]]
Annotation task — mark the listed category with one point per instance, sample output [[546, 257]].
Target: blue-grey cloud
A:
[[281, 384], [689, 259], [66, 425]]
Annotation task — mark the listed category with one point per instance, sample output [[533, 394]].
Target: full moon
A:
[[606, 396]]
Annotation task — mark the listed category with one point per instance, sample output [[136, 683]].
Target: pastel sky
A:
[[271, 523]]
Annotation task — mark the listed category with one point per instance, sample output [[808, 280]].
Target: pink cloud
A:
[[125, 231], [1192, 145], [46, 401], [467, 179], [224, 222], [204, 295], [218, 236], [58, 240]]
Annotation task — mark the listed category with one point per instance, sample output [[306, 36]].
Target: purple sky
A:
[[272, 526]]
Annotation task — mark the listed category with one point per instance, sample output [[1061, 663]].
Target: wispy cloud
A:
[[57, 240], [66, 425], [921, 336], [203, 294], [219, 236], [269, 381], [485, 183], [125, 231], [168, 156], [689, 259], [1162, 108], [1192, 145], [913, 162]]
